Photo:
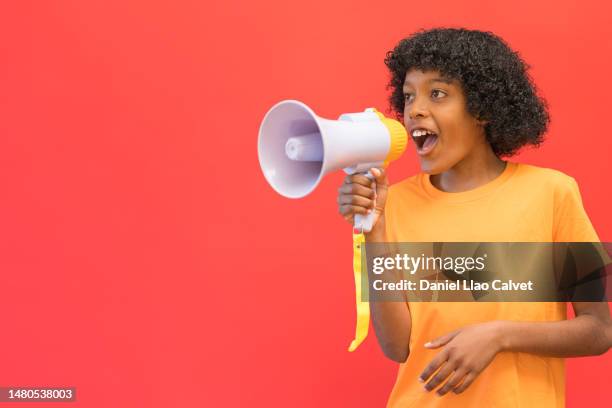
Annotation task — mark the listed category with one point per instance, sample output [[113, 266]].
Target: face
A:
[[435, 114]]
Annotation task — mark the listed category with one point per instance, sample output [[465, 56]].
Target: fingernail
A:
[[428, 344], [421, 379]]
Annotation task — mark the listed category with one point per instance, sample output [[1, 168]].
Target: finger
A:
[[382, 184], [349, 209], [356, 189], [442, 340], [379, 173], [433, 365], [440, 376], [355, 200], [452, 382], [358, 178], [467, 380]]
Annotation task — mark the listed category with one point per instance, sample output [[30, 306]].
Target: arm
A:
[[391, 320], [590, 333], [468, 351]]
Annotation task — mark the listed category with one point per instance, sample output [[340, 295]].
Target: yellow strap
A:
[[363, 308]]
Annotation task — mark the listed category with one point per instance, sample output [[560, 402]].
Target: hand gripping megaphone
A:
[[297, 148]]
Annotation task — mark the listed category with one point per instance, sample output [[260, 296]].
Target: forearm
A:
[[391, 319], [585, 335]]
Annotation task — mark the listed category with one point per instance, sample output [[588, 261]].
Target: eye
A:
[[408, 97], [438, 94]]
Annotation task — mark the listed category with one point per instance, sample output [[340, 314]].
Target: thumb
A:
[[442, 340], [382, 186]]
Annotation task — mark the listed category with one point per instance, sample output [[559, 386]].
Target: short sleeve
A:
[[571, 222]]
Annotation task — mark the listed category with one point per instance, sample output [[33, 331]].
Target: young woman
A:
[[467, 102]]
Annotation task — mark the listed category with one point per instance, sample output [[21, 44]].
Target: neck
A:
[[475, 170]]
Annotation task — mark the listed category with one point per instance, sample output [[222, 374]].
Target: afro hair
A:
[[494, 78]]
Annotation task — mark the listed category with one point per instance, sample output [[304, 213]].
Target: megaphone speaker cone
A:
[[285, 121]]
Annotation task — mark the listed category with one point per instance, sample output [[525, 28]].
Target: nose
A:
[[417, 109]]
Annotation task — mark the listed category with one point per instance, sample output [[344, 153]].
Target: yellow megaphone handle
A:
[[363, 308]]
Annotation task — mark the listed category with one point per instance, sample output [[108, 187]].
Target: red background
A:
[[144, 259]]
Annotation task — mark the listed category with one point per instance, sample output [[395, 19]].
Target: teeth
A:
[[421, 132]]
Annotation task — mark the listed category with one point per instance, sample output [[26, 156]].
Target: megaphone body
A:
[[297, 148]]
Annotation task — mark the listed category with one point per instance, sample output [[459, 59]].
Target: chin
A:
[[433, 167]]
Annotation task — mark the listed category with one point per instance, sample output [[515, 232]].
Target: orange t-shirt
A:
[[523, 204]]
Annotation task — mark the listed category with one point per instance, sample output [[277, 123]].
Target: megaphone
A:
[[297, 148]]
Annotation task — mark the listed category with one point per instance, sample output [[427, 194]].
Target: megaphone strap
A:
[[363, 308]]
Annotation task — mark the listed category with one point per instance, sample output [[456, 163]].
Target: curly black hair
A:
[[494, 79]]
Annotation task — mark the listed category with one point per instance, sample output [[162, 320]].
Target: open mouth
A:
[[424, 139]]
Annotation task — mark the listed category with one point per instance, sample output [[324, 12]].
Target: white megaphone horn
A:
[[297, 148]]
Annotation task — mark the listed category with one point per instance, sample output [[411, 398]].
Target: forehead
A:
[[416, 78]]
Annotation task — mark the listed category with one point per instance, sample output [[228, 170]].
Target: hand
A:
[[356, 195], [466, 353]]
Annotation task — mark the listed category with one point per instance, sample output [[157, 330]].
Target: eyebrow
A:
[[440, 79]]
